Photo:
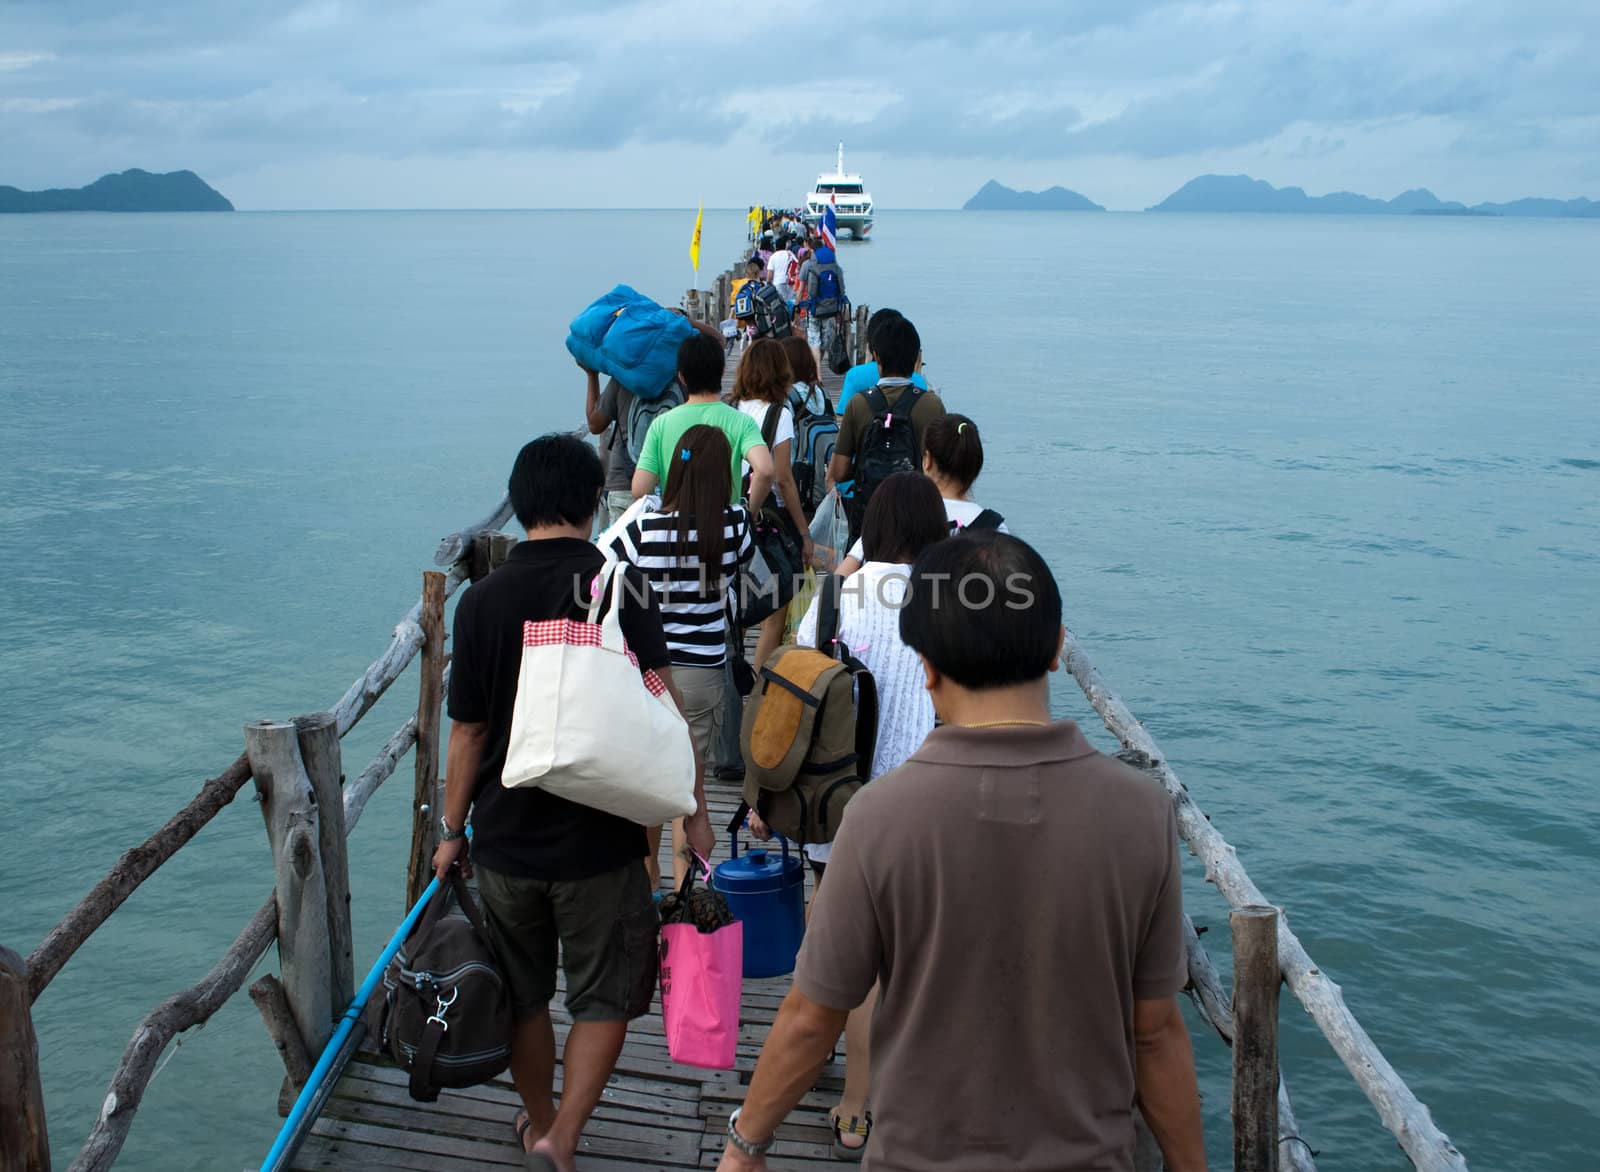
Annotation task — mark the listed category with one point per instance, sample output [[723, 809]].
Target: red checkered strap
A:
[[589, 633]]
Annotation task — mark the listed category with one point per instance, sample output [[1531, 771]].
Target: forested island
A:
[[130, 191], [995, 197], [1242, 193]]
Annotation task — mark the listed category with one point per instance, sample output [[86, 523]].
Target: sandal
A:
[[520, 1124], [859, 1127]]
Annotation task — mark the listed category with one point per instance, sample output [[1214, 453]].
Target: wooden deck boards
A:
[[655, 1113]]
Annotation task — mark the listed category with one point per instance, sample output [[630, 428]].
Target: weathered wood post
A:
[[24, 1143], [273, 1004], [289, 806], [489, 550], [1256, 976], [858, 344], [425, 817], [318, 734]]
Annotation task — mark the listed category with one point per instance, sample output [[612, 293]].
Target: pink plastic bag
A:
[[701, 977]]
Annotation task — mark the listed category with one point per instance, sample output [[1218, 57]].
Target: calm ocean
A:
[[1323, 494]]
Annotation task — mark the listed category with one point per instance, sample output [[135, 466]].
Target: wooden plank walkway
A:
[[655, 1113]]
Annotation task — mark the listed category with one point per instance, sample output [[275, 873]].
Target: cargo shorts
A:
[[606, 929]]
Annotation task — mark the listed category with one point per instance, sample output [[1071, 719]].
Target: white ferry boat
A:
[[852, 202]]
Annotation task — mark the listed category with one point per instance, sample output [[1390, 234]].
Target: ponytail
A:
[[953, 443], [699, 484]]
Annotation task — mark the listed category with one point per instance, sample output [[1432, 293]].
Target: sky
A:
[[667, 103]]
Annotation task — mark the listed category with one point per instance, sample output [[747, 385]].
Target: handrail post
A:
[[289, 806], [318, 735], [24, 1142], [429, 700], [1256, 976], [489, 551]]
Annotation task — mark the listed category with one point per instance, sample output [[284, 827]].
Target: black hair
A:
[[952, 442], [557, 478], [905, 515], [897, 347], [700, 362], [875, 322], [983, 609], [755, 260], [699, 482]]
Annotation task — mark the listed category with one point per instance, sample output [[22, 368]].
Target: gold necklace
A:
[[1001, 723]]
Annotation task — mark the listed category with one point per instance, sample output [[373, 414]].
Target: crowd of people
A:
[[999, 936], [802, 267]]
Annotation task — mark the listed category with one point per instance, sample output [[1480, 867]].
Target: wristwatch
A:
[[448, 835], [744, 1145]]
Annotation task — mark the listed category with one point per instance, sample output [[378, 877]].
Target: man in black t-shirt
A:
[[552, 872]]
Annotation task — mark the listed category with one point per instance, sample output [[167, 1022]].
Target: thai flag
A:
[[829, 226]]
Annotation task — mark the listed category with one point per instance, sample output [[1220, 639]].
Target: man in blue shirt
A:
[[865, 376]]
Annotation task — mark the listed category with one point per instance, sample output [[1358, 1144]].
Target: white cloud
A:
[[1107, 96], [10, 62]]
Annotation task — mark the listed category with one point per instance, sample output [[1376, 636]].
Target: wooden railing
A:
[[310, 811], [298, 774]]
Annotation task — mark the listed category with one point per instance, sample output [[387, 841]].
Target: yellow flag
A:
[[694, 244]]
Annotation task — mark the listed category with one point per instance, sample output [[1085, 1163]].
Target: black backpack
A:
[[444, 1012], [888, 445], [988, 519], [772, 313]]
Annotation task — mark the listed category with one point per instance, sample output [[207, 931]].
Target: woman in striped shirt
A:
[[689, 547]]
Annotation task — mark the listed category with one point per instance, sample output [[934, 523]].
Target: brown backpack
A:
[[443, 1011], [809, 733]]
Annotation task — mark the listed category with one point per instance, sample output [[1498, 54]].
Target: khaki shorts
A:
[[606, 928], [702, 689]]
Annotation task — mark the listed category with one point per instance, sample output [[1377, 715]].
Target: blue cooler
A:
[[767, 894]]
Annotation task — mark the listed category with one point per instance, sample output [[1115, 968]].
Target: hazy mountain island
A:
[[995, 197], [131, 191], [1240, 193]]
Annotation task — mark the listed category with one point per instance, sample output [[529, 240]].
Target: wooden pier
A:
[[655, 1114]]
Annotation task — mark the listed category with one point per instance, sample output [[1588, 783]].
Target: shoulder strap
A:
[[988, 519], [877, 400], [828, 614], [866, 717], [769, 425]]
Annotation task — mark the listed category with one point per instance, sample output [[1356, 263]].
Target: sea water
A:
[[1323, 495]]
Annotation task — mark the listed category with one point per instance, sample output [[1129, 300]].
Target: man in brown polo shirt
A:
[[1017, 895]]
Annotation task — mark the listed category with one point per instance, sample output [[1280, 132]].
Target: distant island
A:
[[995, 197], [131, 191], [1241, 193]]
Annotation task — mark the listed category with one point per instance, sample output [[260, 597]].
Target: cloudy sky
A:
[[662, 103]]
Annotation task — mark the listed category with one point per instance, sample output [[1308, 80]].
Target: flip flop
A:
[[520, 1124], [538, 1162], [859, 1126]]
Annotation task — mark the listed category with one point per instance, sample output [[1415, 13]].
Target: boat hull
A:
[[858, 226]]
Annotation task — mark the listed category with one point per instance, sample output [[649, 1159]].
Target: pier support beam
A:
[[425, 815], [294, 828], [1256, 976], [24, 1143]]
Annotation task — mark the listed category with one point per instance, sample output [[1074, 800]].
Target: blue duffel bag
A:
[[631, 338]]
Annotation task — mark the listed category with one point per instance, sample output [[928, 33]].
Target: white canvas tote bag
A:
[[587, 727]]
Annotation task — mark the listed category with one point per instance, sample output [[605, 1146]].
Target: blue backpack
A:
[[744, 302], [816, 432], [628, 336], [829, 295]]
